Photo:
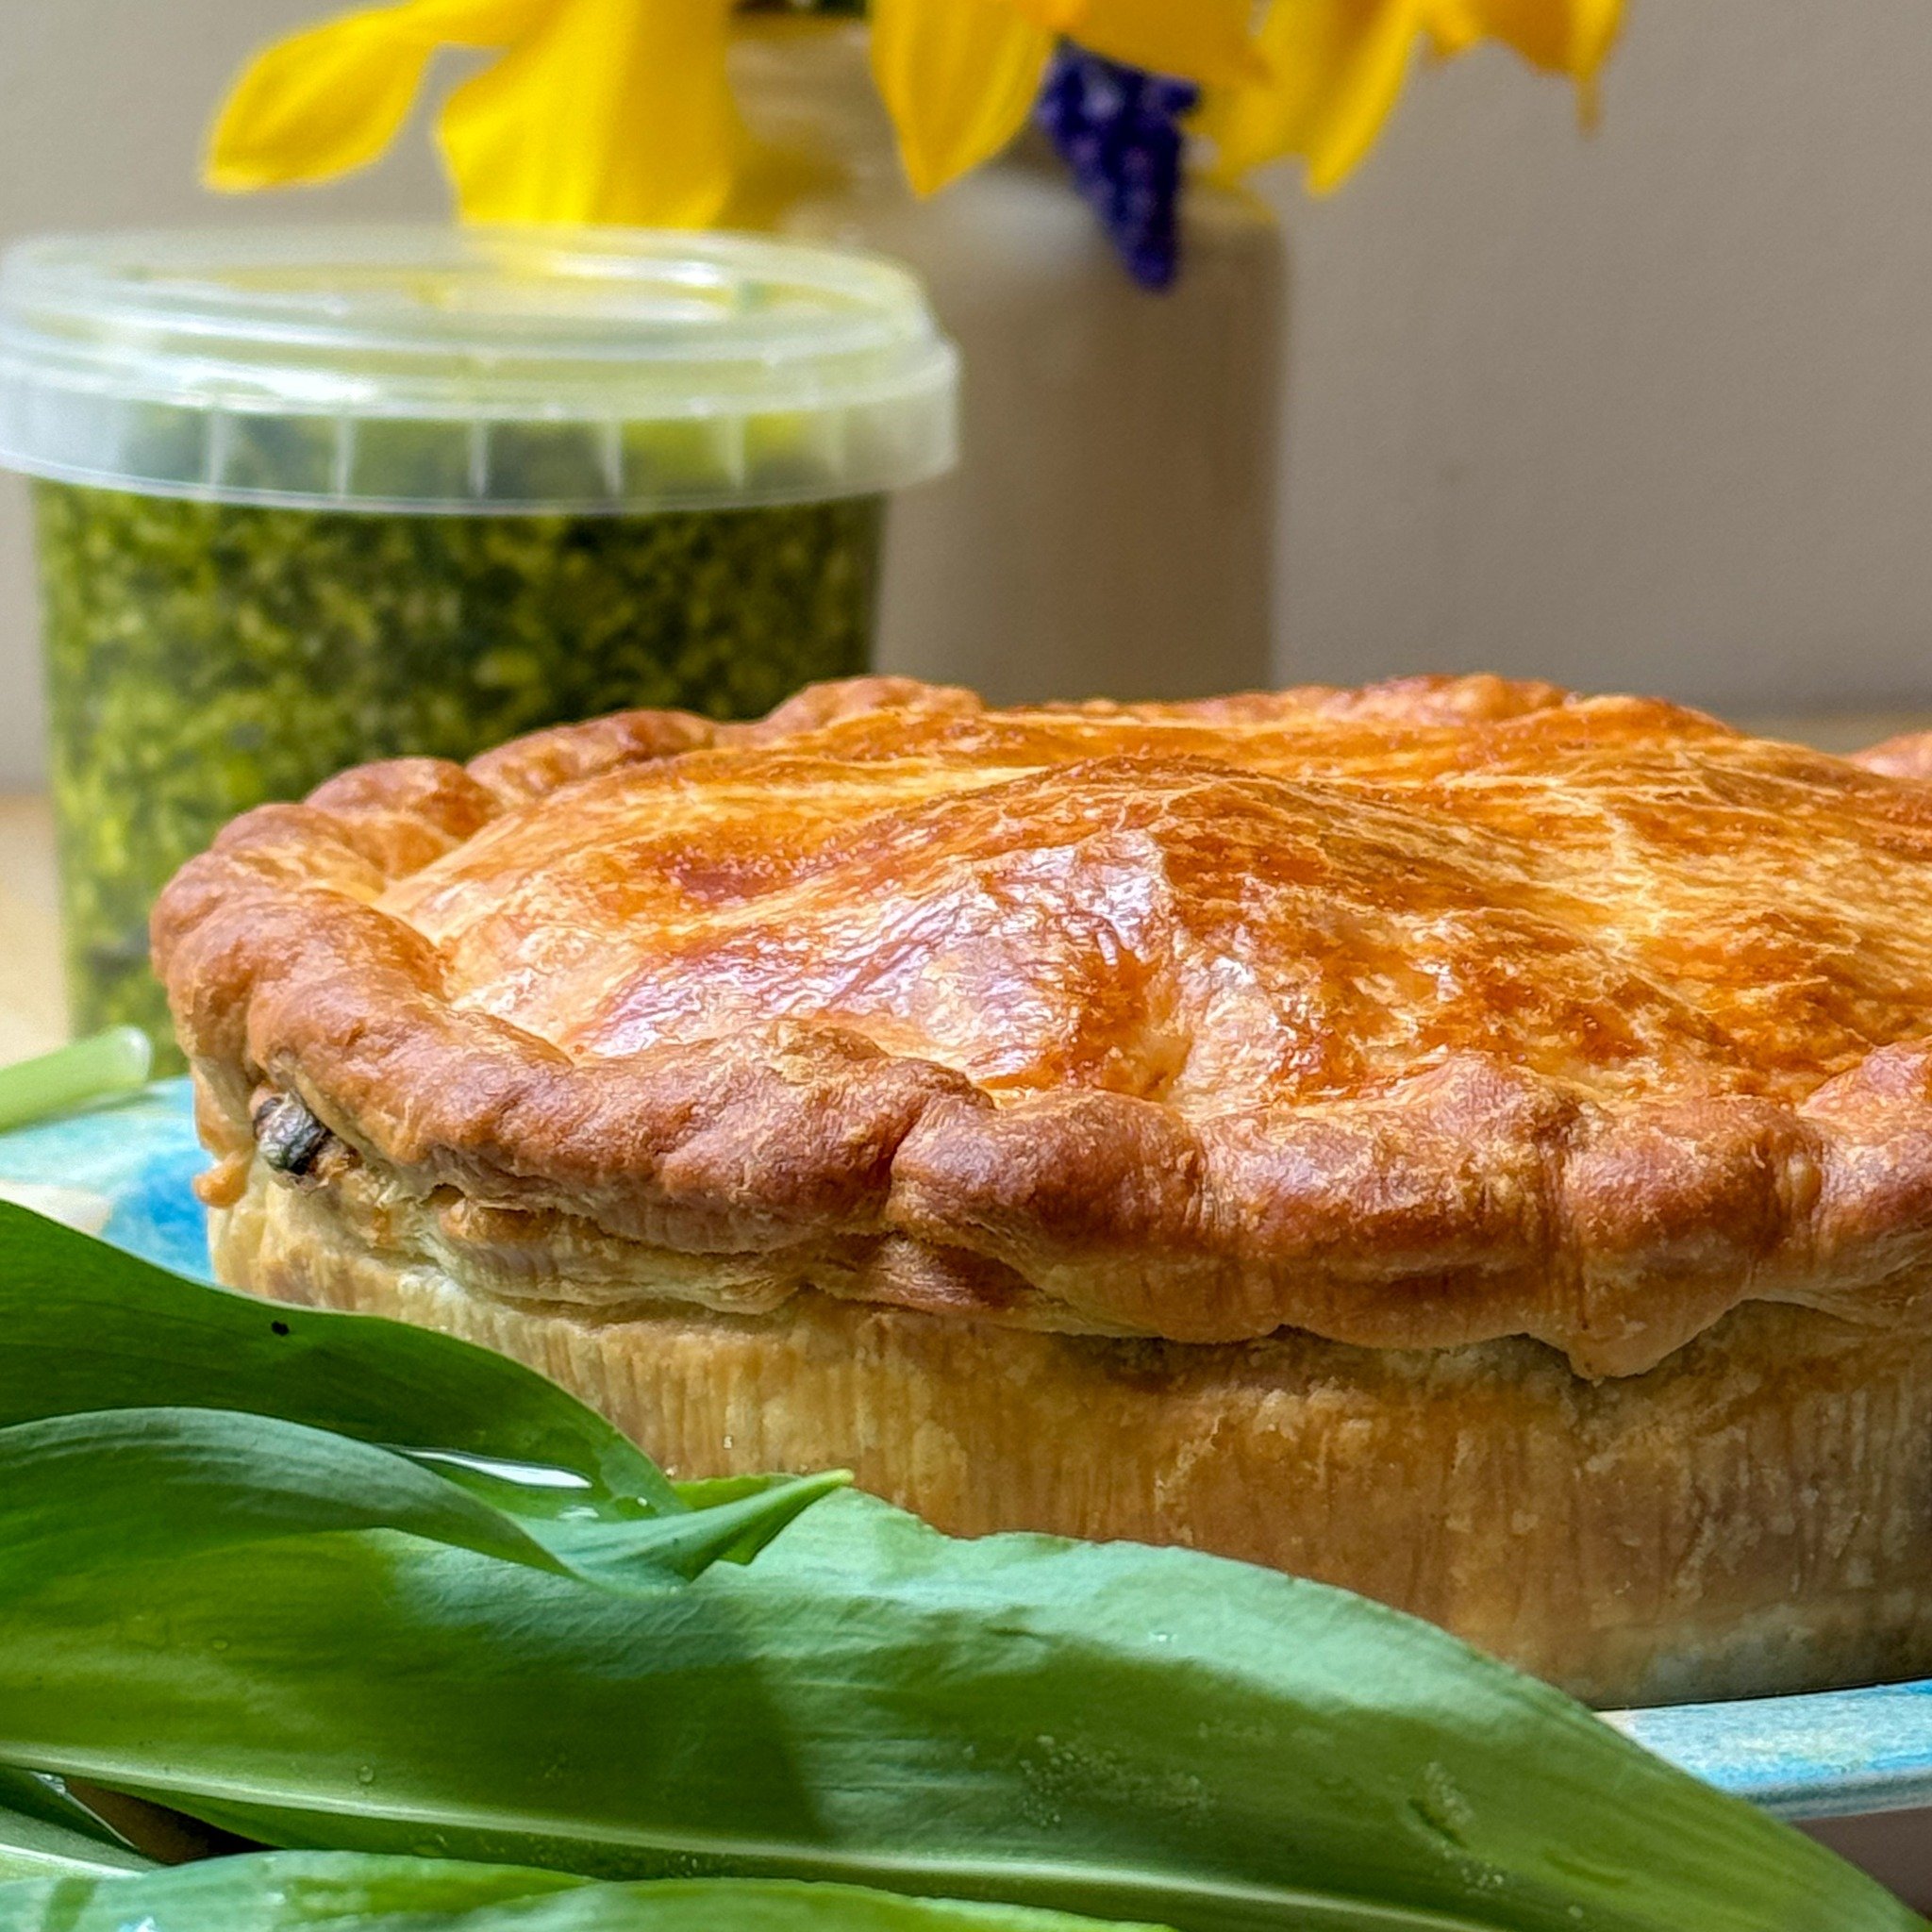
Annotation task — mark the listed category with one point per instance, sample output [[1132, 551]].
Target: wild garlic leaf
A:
[[296, 1892], [1140, 1734], [1137, 1734], [86, 1327], [103, 1490], [38, 1847], [34, 1795], [96, 1068], [309, 1891]]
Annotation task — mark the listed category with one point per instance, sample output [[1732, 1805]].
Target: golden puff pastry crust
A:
[[1412, 1017]]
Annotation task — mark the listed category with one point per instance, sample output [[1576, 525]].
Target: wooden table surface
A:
[[32, 1011]]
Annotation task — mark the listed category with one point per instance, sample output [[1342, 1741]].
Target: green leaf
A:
[[108, 1489], [150, 1833], [85, 1327], [105, 1064], [282, 1891], [681, 1548], [295, 1892], [1144, 1734], [35, 1846], [33, 1794]]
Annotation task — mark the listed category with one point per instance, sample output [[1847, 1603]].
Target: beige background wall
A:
[[1653, 410]]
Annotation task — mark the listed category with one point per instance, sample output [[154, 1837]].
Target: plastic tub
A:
[[307, 497]]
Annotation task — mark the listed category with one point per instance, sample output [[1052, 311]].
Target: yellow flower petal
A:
[[1592, 36], [612, 110], [1452, 26], [1208, 40], [1560, 36], [1337, 69], [332, 97], [1057, 16], [960, 77], [1572, 37], [478, 23]]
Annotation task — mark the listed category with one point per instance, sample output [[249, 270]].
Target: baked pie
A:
[[1465, 1141]]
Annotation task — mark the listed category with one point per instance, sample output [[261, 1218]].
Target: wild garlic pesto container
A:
[[306, 497]]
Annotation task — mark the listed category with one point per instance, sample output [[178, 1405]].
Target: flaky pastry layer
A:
[[1411, 1018], [1754, 1516]]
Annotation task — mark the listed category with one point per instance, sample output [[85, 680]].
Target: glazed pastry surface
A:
[[1414, 1016], [1290, 902]]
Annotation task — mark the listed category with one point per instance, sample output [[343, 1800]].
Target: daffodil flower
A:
[[593, 110], [1337, 68], [619, 111]]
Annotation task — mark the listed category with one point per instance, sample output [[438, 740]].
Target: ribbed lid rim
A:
[[436, 368]]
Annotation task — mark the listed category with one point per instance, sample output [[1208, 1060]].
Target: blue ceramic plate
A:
[[1833, 1754], [140, 1155]]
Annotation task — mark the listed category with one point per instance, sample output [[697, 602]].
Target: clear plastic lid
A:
[[440, 370]]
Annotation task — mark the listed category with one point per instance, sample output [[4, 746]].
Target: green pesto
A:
[[206, 658]]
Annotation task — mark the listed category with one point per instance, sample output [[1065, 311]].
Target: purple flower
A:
[[1118, 130]]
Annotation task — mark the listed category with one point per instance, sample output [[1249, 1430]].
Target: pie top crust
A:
[[1409, 1016]]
